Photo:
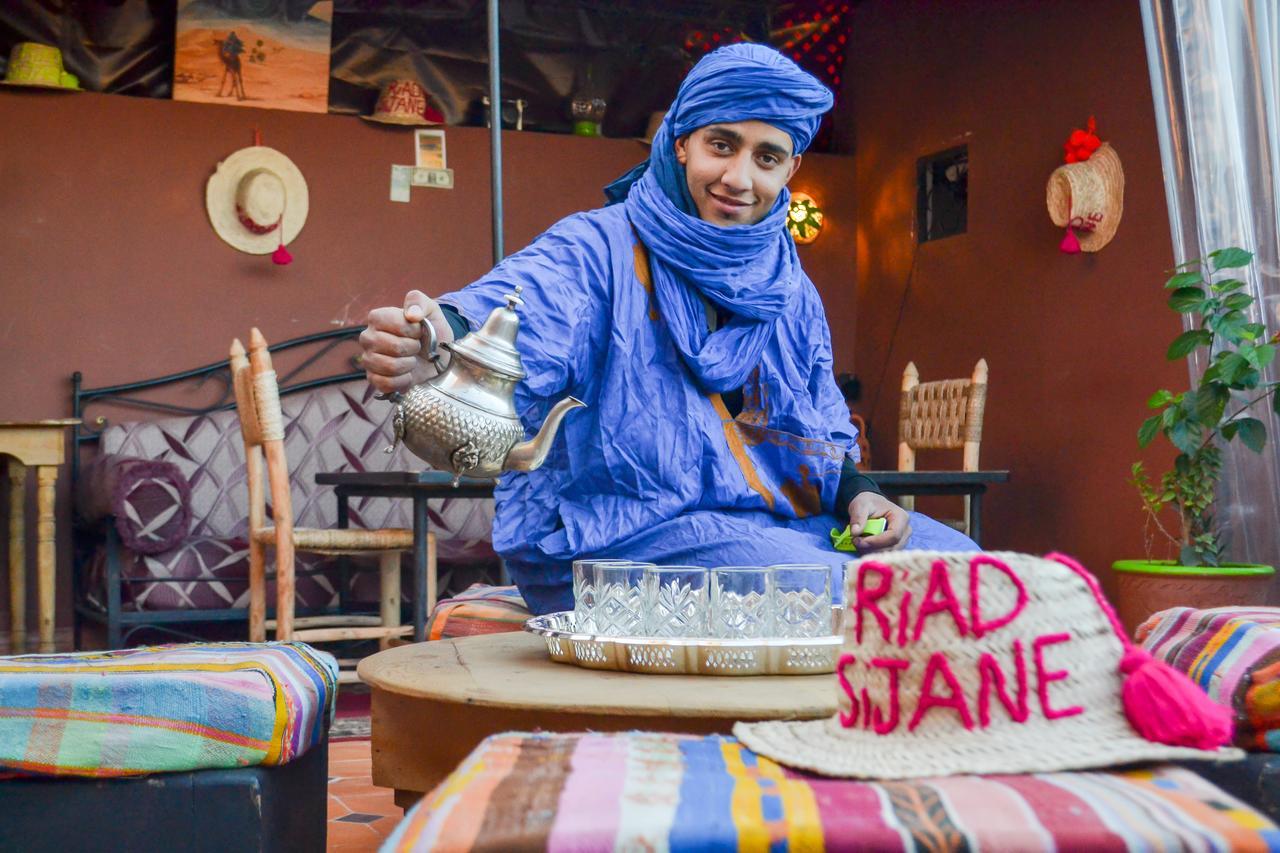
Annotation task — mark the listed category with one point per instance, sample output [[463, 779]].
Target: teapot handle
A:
[[433, 349]]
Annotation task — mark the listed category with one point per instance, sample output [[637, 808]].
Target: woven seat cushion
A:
[[1234, 654], [339, 541], [164, 708], [646, 791], [480, 609]]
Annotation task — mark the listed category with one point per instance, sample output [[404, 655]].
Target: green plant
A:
[[1213, 412]]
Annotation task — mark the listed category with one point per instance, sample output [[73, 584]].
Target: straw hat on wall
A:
[[38, 66], [1087, 198], [257, 200], [405, 102]]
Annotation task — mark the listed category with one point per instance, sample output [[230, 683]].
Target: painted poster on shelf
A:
[[272, 54]]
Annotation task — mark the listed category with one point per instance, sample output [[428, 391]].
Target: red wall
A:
[[108, 264], [1076, 343]]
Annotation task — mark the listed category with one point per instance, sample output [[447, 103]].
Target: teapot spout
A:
[[528, 455]]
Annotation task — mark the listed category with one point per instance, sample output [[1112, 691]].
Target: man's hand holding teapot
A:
[[395, 358]]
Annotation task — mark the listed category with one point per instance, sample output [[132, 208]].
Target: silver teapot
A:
[[464, 419]]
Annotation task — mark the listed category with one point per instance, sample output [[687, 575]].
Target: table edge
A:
[[584, 708]]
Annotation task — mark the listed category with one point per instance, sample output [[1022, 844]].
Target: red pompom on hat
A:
[[1081, 144]]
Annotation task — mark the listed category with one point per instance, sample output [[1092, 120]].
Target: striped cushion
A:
[[164, 708], [1234, 654], [481, 609], [647, 791]]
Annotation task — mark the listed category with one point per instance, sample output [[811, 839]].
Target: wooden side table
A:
[[434, 702], [38, 444]]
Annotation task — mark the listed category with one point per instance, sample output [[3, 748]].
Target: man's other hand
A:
[[868, 505]]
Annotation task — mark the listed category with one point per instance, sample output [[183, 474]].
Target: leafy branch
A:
[[1197, 421]]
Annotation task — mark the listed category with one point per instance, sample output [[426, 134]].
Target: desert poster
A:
[[275, 56]]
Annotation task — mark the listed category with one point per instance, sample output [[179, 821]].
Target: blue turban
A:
[[740, 82], [749, 271]]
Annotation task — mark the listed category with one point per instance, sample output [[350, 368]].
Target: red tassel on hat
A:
[[281, 256], [1166, 706], [1070, 245], [1161, 703]]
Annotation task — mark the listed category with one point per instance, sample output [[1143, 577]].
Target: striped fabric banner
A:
[[164, 708], [573, 793], [1234, 654]]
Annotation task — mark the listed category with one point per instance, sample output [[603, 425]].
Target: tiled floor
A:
[[361, 815]]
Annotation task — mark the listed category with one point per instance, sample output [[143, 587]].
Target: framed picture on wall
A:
[[429, 149], [253, 56]]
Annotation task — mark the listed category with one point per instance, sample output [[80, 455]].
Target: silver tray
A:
[[685, 656]]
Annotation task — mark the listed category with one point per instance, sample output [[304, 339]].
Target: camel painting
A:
[[229, 50], [276, 59]]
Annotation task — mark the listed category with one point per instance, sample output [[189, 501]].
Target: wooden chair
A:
[[864, 443], [945, 414], [262, 425]]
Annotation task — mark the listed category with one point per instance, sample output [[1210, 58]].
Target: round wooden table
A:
[[434, 702]]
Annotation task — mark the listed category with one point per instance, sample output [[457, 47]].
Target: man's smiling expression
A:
[[735, 170]]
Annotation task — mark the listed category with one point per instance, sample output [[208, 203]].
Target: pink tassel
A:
[[281, 256], [1070, 245], [1166, 706]]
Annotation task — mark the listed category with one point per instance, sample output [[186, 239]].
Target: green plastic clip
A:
[[842, 540]]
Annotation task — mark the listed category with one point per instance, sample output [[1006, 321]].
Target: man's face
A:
[[735, 170]]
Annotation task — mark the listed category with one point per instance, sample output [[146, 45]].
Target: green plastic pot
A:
[[1144, 587]]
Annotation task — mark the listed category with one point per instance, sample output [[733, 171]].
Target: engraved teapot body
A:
[[463, 419]]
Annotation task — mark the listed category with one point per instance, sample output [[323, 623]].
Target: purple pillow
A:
[[150, 500]]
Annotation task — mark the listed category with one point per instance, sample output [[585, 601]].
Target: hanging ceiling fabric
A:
[[632, 53]]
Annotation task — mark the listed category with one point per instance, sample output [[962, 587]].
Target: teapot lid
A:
[[492, 346]]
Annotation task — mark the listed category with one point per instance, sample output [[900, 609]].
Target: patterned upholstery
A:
[[333, 428], [1234, 654], [149, 500], [172, 708], [653, 791]]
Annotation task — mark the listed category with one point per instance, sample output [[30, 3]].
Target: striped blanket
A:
[[646, 791], [165, 708], [1234, 654], [480, 609]]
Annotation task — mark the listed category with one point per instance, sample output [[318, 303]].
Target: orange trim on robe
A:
[[731, 433]]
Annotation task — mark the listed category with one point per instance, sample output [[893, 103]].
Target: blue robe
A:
[[655, 469]]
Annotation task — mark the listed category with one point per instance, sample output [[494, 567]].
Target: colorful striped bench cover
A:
[[165, 708], [646, 791], [1234, 654]]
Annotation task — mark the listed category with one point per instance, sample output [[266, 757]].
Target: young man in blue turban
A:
[[714, 432]]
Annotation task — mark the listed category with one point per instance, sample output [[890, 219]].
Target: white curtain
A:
[[1215, 79]]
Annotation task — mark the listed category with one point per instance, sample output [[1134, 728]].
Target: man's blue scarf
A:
[[750, 271]]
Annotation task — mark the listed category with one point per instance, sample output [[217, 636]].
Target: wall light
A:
[[804, 219]]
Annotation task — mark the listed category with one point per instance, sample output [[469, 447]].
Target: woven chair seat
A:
[[343, 541]]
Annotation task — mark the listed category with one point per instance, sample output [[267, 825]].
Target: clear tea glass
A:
[[741, 602], [802, 600], [619, 598], [584, 593], [675, 600]]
